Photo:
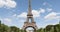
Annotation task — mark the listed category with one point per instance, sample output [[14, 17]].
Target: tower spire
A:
[[29, 8], [29, 15]]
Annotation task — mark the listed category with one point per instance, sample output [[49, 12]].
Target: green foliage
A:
[[14, 29], [4, 28], [49, 28]]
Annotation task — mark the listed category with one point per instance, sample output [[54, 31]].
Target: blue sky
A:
[[45, 12]]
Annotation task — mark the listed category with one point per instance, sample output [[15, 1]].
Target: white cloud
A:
[[7, 3], [52, 15], [47, 4], [22, 20], [0, 19], [7, 19], [23, 15], [49, 9], [42, 10], [14, 15], [36, 13]]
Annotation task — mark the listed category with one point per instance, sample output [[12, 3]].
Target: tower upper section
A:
[[29, 8]]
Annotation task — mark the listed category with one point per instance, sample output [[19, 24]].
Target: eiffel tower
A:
[[30, 20]]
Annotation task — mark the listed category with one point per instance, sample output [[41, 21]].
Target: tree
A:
[[14, 29], [42, 30], [0, 23], [57, 28], [52, 29], [4, 28]]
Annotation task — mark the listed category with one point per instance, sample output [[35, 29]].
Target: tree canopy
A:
[[48, 28]]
